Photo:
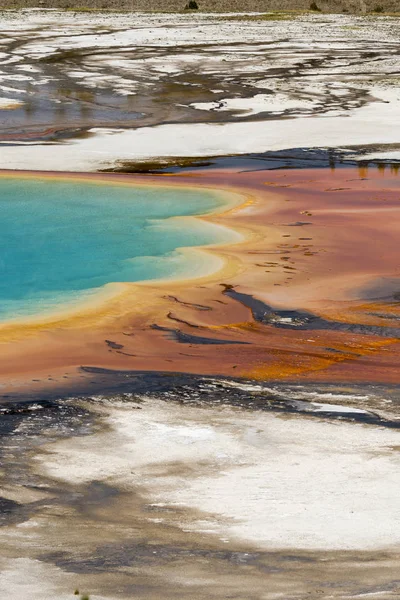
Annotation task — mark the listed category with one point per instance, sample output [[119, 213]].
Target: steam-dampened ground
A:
[[179, 487], [141, 496], [126, 86]]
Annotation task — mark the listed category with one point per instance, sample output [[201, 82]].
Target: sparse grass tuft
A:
[[314, 6]]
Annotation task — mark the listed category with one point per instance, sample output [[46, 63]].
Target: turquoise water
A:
[[63, 240]]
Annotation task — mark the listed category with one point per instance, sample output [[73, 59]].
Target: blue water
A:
[[60, 240]]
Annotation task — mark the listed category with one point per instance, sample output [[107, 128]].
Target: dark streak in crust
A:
[[198, 390], [188, 304], [182, 321], [208, 391], [303, 320], [113, 345], [203, 390]]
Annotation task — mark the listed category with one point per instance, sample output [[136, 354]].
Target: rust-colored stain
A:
[[317, 241]]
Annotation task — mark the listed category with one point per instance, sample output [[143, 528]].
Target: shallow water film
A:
[[64, 239], [199, 306]]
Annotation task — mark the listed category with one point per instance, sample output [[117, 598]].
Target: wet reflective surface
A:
[[234, 437], [74, 71]]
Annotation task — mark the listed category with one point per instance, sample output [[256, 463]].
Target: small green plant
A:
[[76, 592], [191, 5], [314, 6], [378, 9]]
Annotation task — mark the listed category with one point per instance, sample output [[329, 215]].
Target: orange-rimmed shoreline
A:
[[310, 274], [102, 302]]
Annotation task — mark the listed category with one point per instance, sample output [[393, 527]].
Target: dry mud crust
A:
[[129, 497]]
